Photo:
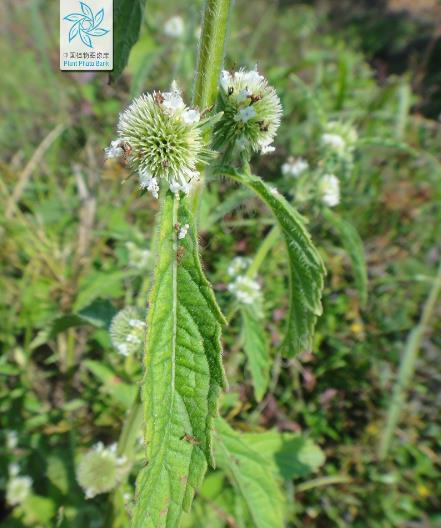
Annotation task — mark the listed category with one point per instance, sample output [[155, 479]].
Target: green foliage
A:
[[183, 374], [354, 247], [128, 15], [306, 267], [252, 477], [256, 348]]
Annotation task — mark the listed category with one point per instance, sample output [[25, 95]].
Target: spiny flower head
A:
[[100, 470], [340, 137], [330, 190], [127, 330], [246, 290], [251, 112], [161, 138]]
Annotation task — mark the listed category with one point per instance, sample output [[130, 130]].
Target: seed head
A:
[[251, 112], [127, 331], [163, 141]]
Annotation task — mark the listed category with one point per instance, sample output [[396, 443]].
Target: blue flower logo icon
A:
[[86, 25]]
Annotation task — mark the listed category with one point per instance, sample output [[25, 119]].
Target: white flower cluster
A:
[[294, 167], [246, 290], [18, 487], [161, 138], [101, 469], [251, 111], [127, 331], [174, 27], [11, 439], [330, 190], [238, 265]]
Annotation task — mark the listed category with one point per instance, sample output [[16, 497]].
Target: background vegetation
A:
[[75, 235]]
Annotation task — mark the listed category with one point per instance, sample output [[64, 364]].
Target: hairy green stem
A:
[[406, 369], [210, 59]]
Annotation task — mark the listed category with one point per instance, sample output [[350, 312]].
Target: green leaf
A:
[[306, 267], [292, 456], [256, 348], [354, 247], [127, 16], [183, 374], [252, 476]]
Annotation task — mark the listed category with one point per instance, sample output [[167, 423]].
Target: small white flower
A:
[[136, 323], [18, 489], [174, 27], [191, 116], [274, 190], [266, 148], [246, 290], [335, 141], [173, 101], [183, 231], [115, 150], [225, 79], [245, 114], [330, 190], [11, 439], [294, 167], [149, 182]]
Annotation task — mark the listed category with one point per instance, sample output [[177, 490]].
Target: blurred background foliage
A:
[[75, 235]]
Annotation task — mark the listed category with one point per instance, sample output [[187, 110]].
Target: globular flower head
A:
[[127, 331], [251, 112], [100, 470], [162, 140], [340, 137], [18, 487], [330, 190], [246, 290]]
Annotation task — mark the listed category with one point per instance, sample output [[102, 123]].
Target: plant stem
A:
[[210, 59], [406, 369]]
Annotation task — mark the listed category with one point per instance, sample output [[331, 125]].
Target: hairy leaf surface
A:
[[306, 267], [183, 375], [354, 247], [256, 349], [252, 476]]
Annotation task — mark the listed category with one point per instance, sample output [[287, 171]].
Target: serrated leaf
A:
[[256, 349], [252, 477], [306, 267], [183, 374], [128, 15], [292, 456], [353, 245]]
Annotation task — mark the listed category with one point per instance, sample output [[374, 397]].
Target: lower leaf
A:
[[183, 374]]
